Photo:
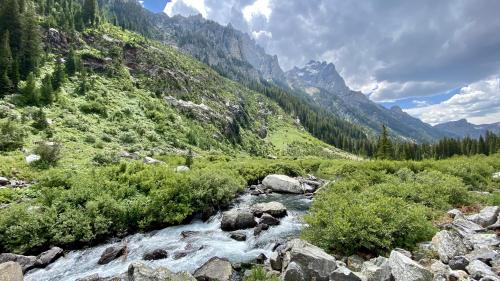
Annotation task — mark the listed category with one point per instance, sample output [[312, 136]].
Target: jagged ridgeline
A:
[[98, 87]]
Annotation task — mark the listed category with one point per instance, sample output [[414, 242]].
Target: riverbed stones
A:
[[4, 181], [487, 216], [478, 269], [448, 244], [26, 262], [276, 261], [303, 261], [282, 184], [458, 263], [214, 269], [269, 220], [259, 228], [405, 269], [138, 271], [237, 219], [11, 271], [238, 236], [355, 262], [112, 253], [274, 209], [156, 254], [465, 227], [48, 257]]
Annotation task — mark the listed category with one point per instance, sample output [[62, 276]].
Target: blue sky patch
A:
[[413, 102], [155, 5]]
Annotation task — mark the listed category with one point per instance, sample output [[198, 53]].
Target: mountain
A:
[[462, 128], [324, 85]]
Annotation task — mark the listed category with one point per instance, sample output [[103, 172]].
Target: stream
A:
[[206, 242]]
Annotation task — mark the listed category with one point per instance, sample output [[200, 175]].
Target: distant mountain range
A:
[[462, 128]]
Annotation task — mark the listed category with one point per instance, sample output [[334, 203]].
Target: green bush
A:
[[11, 135], [49, 153], [258, 273]]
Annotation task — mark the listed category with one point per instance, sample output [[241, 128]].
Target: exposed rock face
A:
[[214, 269], [112, 253], [56, 39], [377, 269], [26, 262], [11, 271], [448, 244], [237, 219], [274, 209], [140, 272], [405, 269], [303, 261], [282, 183], [48, 257], [157, 254]]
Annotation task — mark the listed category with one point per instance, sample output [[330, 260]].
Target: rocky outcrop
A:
[[26, 262], [405, 269], [48, 257], [486, 217], [214, 269], [283, 184], [112, 253], [274, 209], [237, 219], [448, 244], [303, 261], [377, 269], [11, 271]]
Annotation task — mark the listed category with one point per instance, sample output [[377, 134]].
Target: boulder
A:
[[486, 255], [260, 227], [455, 213], [355, 263], [214, 269], [260, 259], [303, 260], [282, 184], [276, 261], [152, 161], [405, 269], [377, 269], [482, 240], [189, 233], [48, 257], [457, 275], [448, 244], [11, 271], [238, 236], [157, 254], [465, 227], [32, 158], [269, 220], [237, 219], [181, 169], [344, 274], [274, 209], [138, 271], [4, 181], [487, 216], [112, 253], [458, 263], [26, 262], [478, 269], [438, 267]]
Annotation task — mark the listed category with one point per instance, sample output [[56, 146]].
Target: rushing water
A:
[[209, 239]]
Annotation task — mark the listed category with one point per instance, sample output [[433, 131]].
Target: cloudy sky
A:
[[438, 60]]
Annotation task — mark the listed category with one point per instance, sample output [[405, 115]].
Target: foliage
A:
[[49, 153], [258, 273], [11, 135]]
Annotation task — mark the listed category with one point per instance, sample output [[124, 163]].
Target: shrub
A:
[[11, 135], [95, 107], [258, 273], [49, 153]]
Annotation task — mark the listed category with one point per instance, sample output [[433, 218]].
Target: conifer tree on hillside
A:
[[5, 65], [31, 43], [59, 75], [90, 12], [47, 90], [71, 63], [30, 92], [384, 146]]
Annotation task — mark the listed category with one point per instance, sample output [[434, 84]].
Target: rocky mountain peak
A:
[[318, 74]]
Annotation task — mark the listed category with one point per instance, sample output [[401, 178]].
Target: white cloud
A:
[[258, 8], [261, 34], [178, 7], [478, 102]]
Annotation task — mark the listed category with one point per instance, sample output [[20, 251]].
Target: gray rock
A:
[[283, 184], [344, 274], [11, 271], [274, 209], [260, 227], [138, 271], [439, 267], [237, 219], [157, 254], [26, 262], [309, 262], [478, 269], [481, 240], [276, 261], [269, 220], [458, 263], [214, 269], [405, 269], [465, 227], [448, 244], [458, 275], [486, 255], [181, 169], [32, 158], [455, 213], [152, 161], [4, 181], [487, 216], [404, 252], [355, 262], [112, 253], [377, 269], [48, 257], [260, 259], [238, 236]]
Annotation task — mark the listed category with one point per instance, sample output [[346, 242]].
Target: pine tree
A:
[[47, 91], [384, 146], [31, 43], [5, 65], [71, 63], [189, 158], [90, 12], [59, 75], [30, 92]]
